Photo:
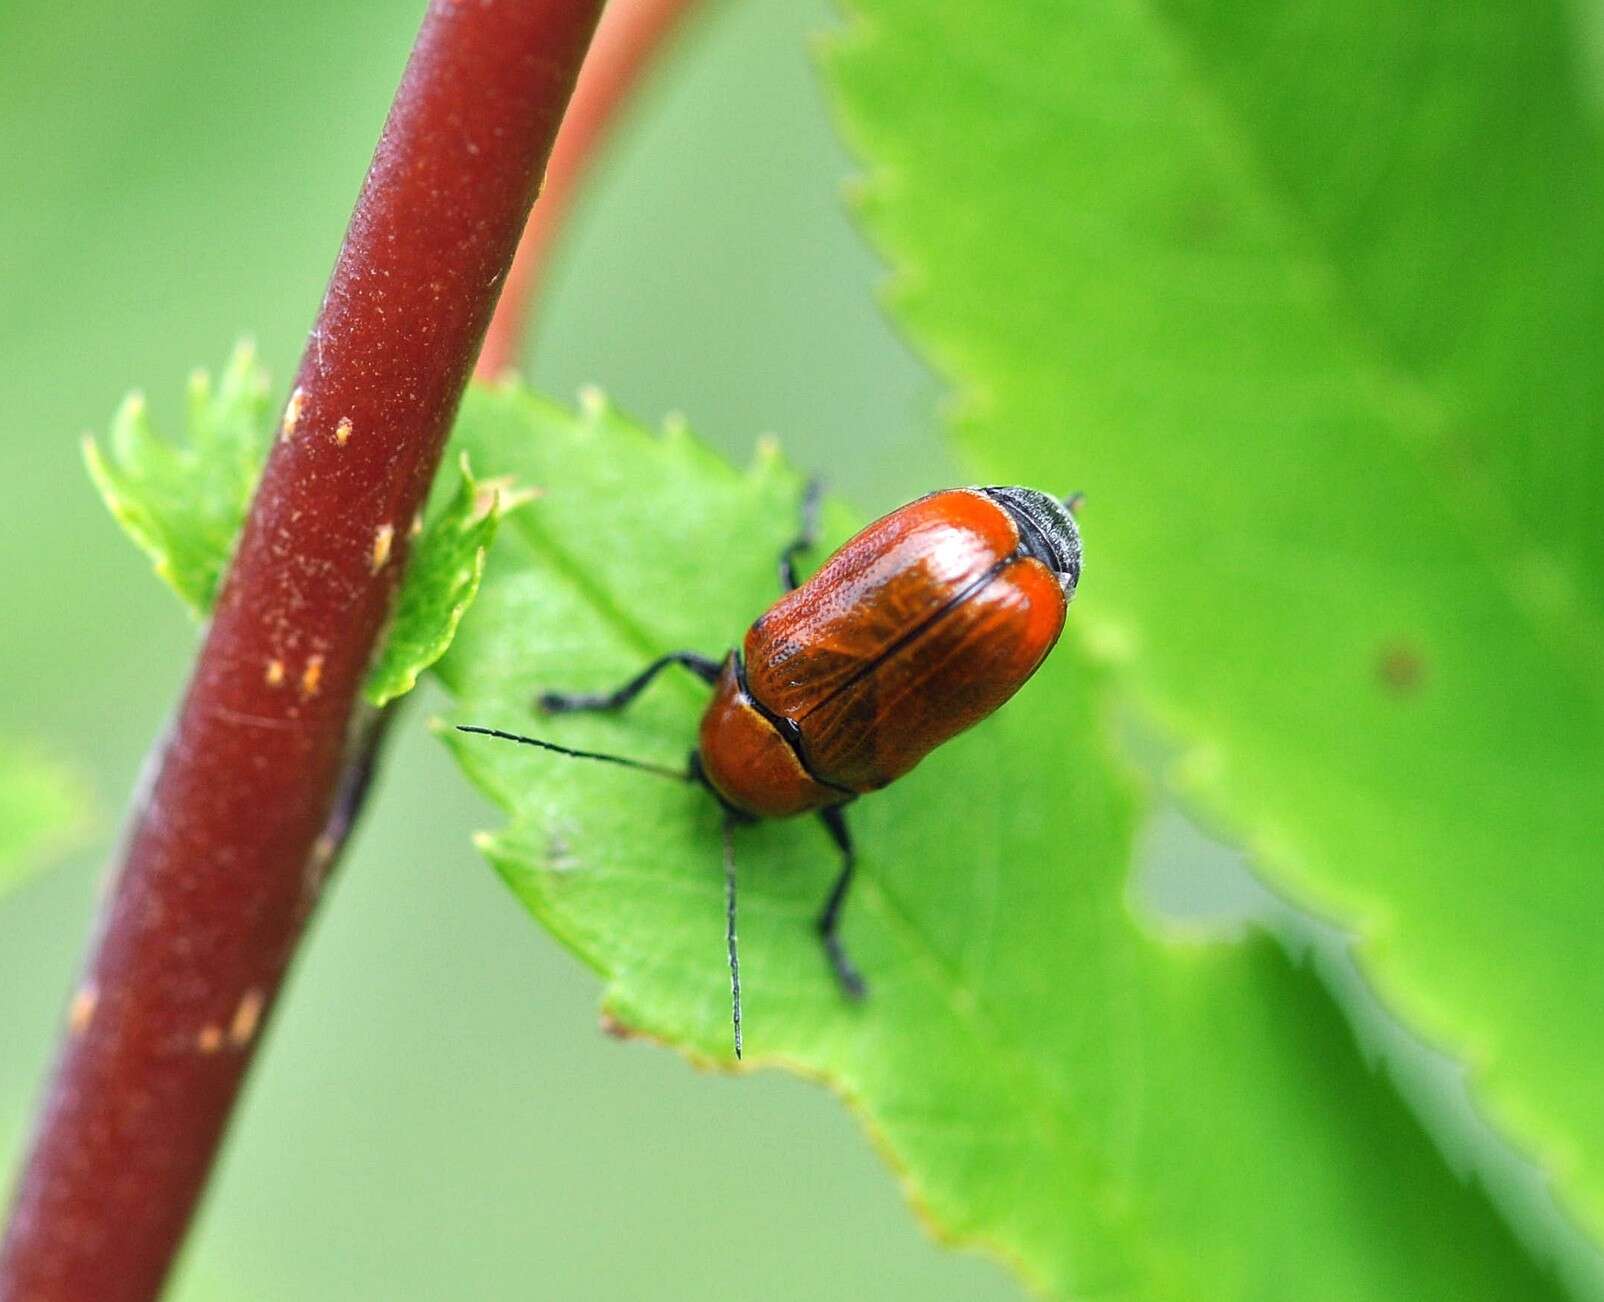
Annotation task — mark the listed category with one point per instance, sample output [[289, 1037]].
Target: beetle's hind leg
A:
[[846, 973], [572, 702], [806, 536]]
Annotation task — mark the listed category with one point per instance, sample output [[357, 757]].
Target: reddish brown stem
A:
[[632, 33], [226, 857]]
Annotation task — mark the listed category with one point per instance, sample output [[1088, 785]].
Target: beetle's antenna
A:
[[729, 930], [662, 770]]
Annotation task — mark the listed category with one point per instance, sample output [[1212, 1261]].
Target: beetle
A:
[[915, 629]]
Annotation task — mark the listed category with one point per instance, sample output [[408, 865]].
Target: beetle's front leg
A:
[[572, 702]]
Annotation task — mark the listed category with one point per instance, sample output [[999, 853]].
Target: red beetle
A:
[[917, 628]]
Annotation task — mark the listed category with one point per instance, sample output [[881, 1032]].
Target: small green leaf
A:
[[184, 507], [182, 504], [1111, 1114], [442, 579], [43, 809]]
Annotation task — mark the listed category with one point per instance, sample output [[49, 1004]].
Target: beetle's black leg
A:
[[808, 535], [569, 702], [830, 920]]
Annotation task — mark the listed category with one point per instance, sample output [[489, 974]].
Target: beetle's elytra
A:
[[914, 630]]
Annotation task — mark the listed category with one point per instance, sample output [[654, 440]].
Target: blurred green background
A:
[[436, 1114]]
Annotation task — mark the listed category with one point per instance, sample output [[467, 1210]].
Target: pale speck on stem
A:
[[383, 536], [292, 413], [246, 1018], [318, 864], [82, 1010]]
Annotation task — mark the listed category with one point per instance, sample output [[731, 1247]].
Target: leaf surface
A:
[[1115, 1115], [1310, 302]]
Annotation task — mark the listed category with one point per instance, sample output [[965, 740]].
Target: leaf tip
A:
[[130, 423], [593, 402], [615, 1028], [496, 497]]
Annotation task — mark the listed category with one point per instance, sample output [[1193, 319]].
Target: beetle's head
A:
[[1047, 530]]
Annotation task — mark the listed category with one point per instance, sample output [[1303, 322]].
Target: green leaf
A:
[[184, 507], [183, 504], [1110, 1113], [1310, 301], [442, 580], [43, 810]]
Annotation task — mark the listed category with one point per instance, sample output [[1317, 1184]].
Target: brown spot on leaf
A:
[[1400, 668]]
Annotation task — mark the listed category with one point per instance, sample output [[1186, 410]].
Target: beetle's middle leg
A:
[[571, 702], [829, 924], [807, 535]]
